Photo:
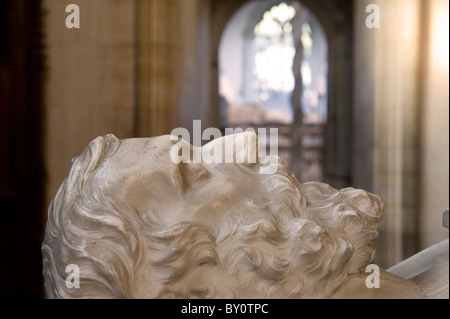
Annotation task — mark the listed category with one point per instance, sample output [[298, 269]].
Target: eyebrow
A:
[[187, 175]]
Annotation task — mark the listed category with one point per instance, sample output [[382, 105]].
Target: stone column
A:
[[338, 135], [299, 19], [396, 102], [156, 66], [434, 115], [89, 85]]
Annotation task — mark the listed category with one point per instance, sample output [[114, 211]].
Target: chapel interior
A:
[[359, 95]]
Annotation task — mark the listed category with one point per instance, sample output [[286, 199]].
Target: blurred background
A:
[[359, 100]]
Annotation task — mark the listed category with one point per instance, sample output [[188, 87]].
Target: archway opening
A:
[[273, 73]]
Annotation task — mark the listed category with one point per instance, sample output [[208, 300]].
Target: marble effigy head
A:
[[139, 225]]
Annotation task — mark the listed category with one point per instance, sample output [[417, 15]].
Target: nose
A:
[[235, 148]]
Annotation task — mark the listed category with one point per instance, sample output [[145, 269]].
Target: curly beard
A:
[[292, 241]]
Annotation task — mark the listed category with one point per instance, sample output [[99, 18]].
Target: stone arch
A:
[[336, 19]]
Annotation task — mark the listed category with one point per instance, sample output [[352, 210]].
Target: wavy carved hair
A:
[[304, 243], [76, 219]]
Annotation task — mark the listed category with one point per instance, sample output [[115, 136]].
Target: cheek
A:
[[155, 197], [214, 204], [225, 189]]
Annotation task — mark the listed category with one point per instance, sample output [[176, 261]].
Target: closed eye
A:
[[188, 175]]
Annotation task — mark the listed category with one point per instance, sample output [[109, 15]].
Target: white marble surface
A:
[[138, 225], [429, 269]]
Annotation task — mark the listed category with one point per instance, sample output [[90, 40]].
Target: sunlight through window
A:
[[274, 54]]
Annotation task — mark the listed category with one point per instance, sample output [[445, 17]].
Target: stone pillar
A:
[[363, 108], [400, 122], [90, 80], [396, 102], [338, 27], [156, 66], [194, 65], [301, 16], [434, 115]]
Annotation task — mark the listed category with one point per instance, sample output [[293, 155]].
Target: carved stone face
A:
[[141, 225], [141, 172]]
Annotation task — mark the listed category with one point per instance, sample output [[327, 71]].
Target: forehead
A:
[[143, 146], [137, 154]]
